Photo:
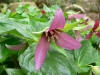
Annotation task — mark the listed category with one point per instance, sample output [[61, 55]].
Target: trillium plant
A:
[[61, 38], [48, 41]]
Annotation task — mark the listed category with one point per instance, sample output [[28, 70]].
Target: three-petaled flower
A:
[[96, 25], [61, 38]]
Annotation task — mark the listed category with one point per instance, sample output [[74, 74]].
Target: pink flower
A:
[[96, 25], [76, 16], [61, 38]]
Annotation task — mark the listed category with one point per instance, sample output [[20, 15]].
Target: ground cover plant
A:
[[48, 41]]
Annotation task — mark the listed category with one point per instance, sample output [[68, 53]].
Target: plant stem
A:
[[15, 61]]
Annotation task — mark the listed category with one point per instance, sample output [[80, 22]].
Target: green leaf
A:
[[98, 61], [70, 26], [20, 9], [55, 63], [37, 25], [50, 11], [85, 56], [5, 52], [5, 24], [14, 71], [58, 48], [86, 73], [2, 38], [13, 40], [8, 25]]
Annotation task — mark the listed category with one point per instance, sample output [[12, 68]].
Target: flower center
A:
[[52, 34]]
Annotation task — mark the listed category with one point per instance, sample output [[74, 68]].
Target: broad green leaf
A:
[[23, 30], [58, 48], [85, 56], [33, 10], [50, 11], [20, 9], [36, 25], [98, 61], [14, 71], [26, 9], [86, 73], [5, 24], [95, 39], [2, 38], [13, 40], [5, 52], [55, 63], [70, 26]]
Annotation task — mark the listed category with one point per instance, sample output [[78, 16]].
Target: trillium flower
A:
[[76, 16], [96, 25], [61, 38]]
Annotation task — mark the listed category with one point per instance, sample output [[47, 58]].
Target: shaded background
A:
[[91, 7]]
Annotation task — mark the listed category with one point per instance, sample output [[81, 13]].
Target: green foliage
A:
[[5, 52], [14, 72], [85, 56], [55, 63], [26, 25]]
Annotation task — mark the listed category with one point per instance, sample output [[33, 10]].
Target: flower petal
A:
[[98, 33], [89, 35], [67, 41], [15, 47], [70, 16], [76, 15], [41, 51], [96, 25], [58, 21]]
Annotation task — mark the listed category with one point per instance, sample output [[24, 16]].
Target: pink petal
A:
[[67, 41], [58, 21], [89, 35], [79, 38], [98, 33], [77, 16], [96, 25], [15, 47], [70, 16], [41, 51]]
